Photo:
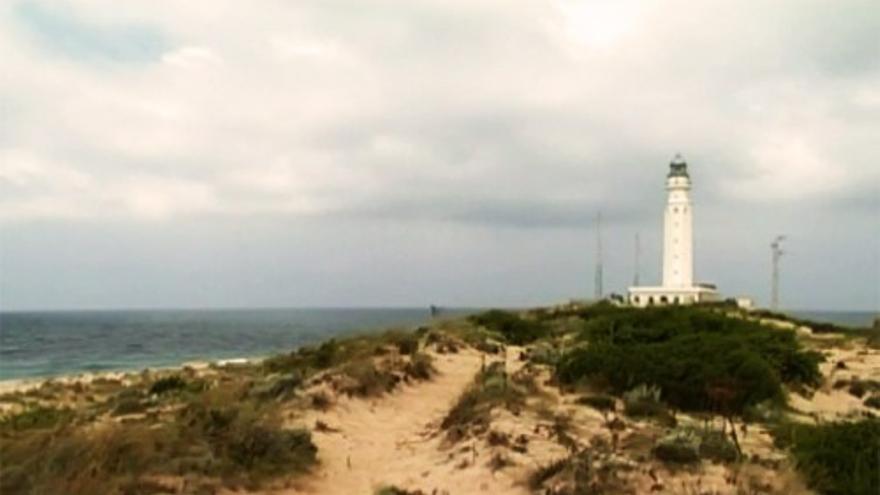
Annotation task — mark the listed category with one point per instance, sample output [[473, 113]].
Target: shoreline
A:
[[22, 384], [13, 385]]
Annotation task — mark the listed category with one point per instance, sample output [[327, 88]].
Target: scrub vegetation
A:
[[622, 392], [835, 458], [190, 431], [696, 359]]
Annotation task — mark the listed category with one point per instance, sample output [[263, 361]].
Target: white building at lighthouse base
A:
[[663, 296]]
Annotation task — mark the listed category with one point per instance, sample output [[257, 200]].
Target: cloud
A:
[[543, 101], [480, 114]]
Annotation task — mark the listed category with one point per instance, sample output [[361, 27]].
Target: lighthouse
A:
[[678, 285], [678, 228]]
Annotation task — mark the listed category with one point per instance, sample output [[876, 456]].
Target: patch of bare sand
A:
[[391, 440], [843, 363]]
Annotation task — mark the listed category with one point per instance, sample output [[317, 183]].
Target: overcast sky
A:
[[160, 153]]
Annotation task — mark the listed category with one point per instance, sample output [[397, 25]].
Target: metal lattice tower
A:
[[598, 282], [638, 255], [776, 247]]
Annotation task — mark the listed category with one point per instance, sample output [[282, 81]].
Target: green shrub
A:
[[167, 384], [39, 417], [835, 458], [589, 471], [546, 472], [280, 388], [305, 359], [873, 401], [271, 450], [764, 412], [420, 367], [643, 401], [678, 447], [367, 380], [700, 360], [393, 490], [212, 437], [491, 388], [716, 446], [487, 346], [130, 405], [407, 343], [857, 388], [544, 354], [513, 328]]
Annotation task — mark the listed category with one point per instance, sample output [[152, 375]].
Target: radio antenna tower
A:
[[638, 256], [598, 287], [776, 247]]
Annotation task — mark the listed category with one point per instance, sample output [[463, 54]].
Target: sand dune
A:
[[389, 440]]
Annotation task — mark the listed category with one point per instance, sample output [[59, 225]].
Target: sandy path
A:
[[387, 441]]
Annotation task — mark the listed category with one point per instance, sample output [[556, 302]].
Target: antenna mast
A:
[[638, 256], [776, 247], [599, 290]]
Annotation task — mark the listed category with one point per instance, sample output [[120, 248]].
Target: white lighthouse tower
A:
[[678, 248], [678, 228]]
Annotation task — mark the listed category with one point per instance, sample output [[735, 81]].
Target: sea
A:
[[40, 344], [52, 343]]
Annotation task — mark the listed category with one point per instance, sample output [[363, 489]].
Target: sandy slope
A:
[[387, 441]]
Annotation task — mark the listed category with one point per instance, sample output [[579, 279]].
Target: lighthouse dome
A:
[[678, 167]]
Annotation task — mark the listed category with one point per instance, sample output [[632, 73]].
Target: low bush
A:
[[393, 490], [835, 458], [643, 401], [512, 327], [589, 471], [130, 405], [305, 359], [420, 367], [544, 354], [858, 387], [321, 400], [167, 384], [546, 472], [873, 401], [365, 379], [699, 359], [407, 343], [281, 388], [36, 418], [271, 450], [716, 446], [211, 437], [471, 413], [488, 347], [678, 447], [764, 412]]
